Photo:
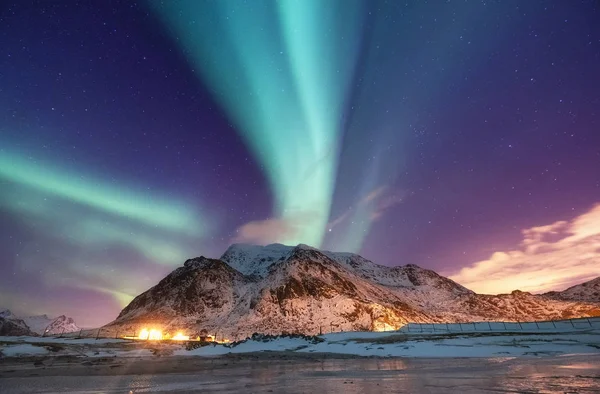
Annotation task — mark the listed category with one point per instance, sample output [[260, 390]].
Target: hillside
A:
[[279, 288], [588, 291], [36, 325]]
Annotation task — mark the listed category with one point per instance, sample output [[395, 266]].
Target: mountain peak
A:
[[305, 247], [586, 291], [277, 288], [40, 324], [196, 262], [255, 259]]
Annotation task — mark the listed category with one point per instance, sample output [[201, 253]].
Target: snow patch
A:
[[24, 349], [394, 344]]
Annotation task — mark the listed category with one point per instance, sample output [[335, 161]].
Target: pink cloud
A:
[[550, 257], [268, 231], [377, 202]]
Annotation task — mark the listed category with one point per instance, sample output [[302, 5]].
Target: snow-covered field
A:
[[83, 347], [78, 341], [23, 349], [528, 339], [393, 344], [467, 362]]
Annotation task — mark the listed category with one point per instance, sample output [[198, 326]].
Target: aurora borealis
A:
[[134, 136], [283, 85]]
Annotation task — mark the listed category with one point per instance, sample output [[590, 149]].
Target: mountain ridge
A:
[[278, 288], [36, 325], [586, 291]]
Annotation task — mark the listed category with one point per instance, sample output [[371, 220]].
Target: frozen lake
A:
[[467, 375]]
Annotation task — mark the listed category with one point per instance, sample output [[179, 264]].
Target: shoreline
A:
[[74, 366]]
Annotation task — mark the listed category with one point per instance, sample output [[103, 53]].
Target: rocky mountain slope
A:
[[277, 288], [13, 326], [58, 325], [588, 291], [36, 325]]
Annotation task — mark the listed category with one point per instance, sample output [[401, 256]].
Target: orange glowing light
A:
[[152, 334], [180, 337]]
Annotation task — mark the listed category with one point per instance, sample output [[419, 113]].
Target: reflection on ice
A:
[[359, 376]]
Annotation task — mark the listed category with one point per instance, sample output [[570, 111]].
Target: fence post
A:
[[421, 326], [447, 328], [589, 322], [571, 320], [98, 333], [490, 325], [80, 331], [537, 325], [474, 328], [460, 325], [553, 324], [504, 324]]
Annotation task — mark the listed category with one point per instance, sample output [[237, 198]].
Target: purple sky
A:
[[484, 120]]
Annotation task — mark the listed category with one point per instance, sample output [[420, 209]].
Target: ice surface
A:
[[350, 376], [24, 349]]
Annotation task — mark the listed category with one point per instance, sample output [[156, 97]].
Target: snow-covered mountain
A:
[[38, 324], [7, 314], [58, 325], [587, 291], [278, 288], [12, 325]]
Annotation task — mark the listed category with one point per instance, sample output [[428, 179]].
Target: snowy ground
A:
[[528, 341], [427, 362], [85, 347], [389, 344]]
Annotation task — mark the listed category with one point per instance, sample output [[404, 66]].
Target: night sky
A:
[[462, 136]]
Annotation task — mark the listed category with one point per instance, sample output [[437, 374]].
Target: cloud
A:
[[550, 257], [340, 219], [373, 195], [375, 203], [264, 232], [386, 202]]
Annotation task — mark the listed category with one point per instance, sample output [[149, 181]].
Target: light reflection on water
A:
[[365, 376], [578, 374]]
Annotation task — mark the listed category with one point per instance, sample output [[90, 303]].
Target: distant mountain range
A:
[[10, 324], [276, 288], [587, 291]]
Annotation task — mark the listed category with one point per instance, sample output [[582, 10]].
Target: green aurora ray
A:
[[281, 70], [91, 219], [102, 196]]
